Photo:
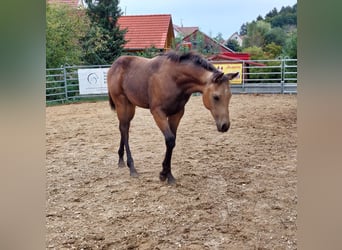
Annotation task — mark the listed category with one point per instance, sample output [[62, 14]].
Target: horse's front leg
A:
[[121, 152], [170, 142], [168, 126]]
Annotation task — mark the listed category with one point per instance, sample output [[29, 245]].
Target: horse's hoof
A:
[[162, 177], [134, 174], [171, 180], [121, 164]]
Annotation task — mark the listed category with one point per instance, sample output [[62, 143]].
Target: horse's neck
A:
[[193, 80]]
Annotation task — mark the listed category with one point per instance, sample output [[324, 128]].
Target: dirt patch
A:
[[235, 190]]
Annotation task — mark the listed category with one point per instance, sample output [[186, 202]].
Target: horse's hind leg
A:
[[125, 114], [124, 128]]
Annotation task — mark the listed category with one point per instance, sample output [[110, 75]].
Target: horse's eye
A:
[[216, 97]]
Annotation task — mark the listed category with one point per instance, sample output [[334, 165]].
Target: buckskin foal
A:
[[164, 84]]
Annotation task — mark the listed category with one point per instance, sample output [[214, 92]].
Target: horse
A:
[[164, 84]]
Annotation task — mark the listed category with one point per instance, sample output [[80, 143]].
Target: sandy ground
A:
[[235, 190]]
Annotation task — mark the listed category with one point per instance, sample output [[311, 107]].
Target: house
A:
[[237, 38], [182, 32], [216, 52], [197, 40], [146, 31]]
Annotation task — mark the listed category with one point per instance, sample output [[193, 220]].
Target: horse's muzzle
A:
[[223, 127]]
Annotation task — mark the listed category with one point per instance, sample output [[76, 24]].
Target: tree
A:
[[287, 16], [148, 52], [272, 50], [284, 19], [233, 45], [256, 34], [260, 18], [290, 48], [255, 52], [219, 38], [271, 14], [104, 41], [243, 29], [272, 36], [65, 27], [275, 35]]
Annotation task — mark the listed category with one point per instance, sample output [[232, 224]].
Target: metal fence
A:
[[269, 76], [262, 76], [62, 84]]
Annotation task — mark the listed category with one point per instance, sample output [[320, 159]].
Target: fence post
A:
[[243, 76], [65, 84], [282, 74]]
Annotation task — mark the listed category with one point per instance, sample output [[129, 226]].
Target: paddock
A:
[[235, 190]]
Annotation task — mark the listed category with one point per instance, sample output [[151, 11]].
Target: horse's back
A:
[[129, 76]]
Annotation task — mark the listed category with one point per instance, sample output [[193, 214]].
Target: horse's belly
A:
[[138, 98]]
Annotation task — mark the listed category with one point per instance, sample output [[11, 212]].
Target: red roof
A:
[[235, 57], [145, 31]]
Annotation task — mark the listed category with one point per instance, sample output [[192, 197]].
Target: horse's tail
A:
[[111, 103]]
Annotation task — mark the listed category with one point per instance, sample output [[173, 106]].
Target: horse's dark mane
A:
[[190, 57]]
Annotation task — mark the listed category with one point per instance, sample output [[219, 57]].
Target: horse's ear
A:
[[217, 76], [232, 75]]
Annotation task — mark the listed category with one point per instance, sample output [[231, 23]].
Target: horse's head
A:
[[216, 97]]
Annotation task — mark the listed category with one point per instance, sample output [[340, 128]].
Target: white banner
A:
[[93, 81]]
